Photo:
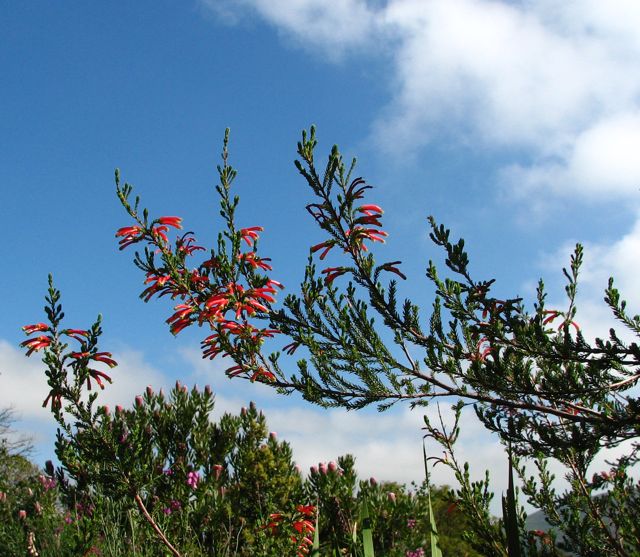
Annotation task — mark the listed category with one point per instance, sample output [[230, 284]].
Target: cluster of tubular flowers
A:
[[301, 524], [79, 358], [365, 227], [203, 303], [133, 234]]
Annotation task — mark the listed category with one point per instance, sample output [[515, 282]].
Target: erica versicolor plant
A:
[[530, 373], [223, 292], [532, 377]]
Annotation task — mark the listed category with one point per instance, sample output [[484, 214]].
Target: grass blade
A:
[[510, 516], [367, 534]]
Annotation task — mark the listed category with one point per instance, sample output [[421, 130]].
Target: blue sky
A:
[[517, 124]]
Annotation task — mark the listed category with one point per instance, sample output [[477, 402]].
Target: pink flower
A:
[[139, 401], [333, 466], [22, 514], [391, 496], [192, 479], [323, 468]]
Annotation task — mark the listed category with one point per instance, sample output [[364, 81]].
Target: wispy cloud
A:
[[553, 83]]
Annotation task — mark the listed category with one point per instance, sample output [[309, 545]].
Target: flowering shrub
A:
[[532, 377]]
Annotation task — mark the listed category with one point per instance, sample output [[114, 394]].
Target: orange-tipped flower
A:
[[130, 235], [30, 329], [370, 209], [250, 235], [35, 344], [176, 222]]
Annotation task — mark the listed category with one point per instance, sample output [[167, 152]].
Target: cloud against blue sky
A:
[[555, 80]]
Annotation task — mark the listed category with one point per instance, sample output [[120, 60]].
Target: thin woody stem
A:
[[155, 527]]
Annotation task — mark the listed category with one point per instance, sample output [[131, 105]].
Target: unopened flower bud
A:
[[48, 467], [323, 468], [119, 410], [178, 385], [37, 507], [273, 435], [207, 390], [149, 391], [139, 402], [3, 496], [252, 405], [314, 470], [391, 496], [297, 468], [243, 411], [22, 514], [106, 410], [333, 466], [373, 481]]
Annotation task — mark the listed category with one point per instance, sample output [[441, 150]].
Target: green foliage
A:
[[529, 372]]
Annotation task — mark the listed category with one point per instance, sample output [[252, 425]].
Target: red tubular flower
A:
[[56, 400], [159, 286], [98, 376], [105, 358], [160, 232], [263, 375], [307, 510], [35, 344], [130, 235], [254, 261], [291, 348], [185, 245], [38, 327], [391, 267], [234, 371], [250, 235], [357, 188], [76, 334], [181, 318], [176, 222], [325, 246], [552, 314], [333, 273], [370, 210]]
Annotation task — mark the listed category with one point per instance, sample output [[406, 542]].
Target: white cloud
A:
[[601, 261], [336, 25], [555, 80], [23, 384]]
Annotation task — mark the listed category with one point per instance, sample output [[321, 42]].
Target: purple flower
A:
[[411, 523]]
